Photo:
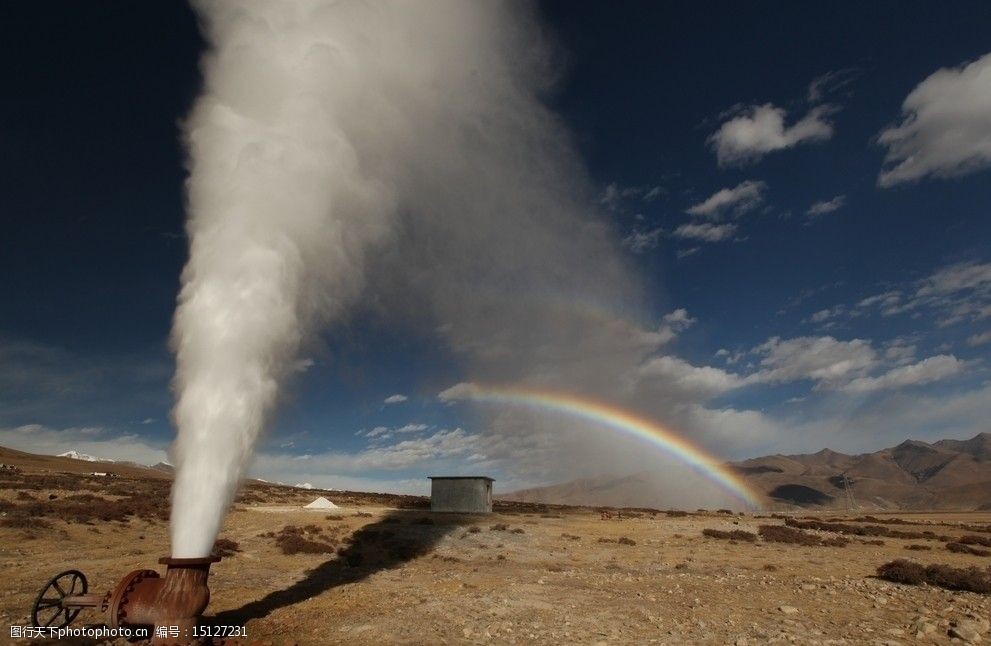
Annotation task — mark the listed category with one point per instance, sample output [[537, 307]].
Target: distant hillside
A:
[[948, 474], [66, 464]]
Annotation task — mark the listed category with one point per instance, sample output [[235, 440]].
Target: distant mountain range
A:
[[948, 474], [75, 455]]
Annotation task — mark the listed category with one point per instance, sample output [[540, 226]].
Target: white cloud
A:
[[884, 300], [946, 126], [980, 339], [825, 360], [827, 206], [827, 314], [613, 195], [965, 276], [444, 443], [458, 392], [706, 231], [395, 399], [684, 253], [412, 428], [830, 82], [743, 197], [378, 431], [640, 241], [653, 193], [923, 372], [672, 325], [699, 382], [761, 130]]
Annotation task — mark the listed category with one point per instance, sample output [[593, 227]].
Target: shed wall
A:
[[466, 495]]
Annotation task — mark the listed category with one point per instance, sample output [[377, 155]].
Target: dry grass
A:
[[783, 534]]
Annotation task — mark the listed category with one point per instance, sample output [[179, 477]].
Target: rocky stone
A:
[[965, 633], [788, 610]]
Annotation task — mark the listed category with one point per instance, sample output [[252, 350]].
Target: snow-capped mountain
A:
[[76, 455]]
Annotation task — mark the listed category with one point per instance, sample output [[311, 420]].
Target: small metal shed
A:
[[464, 494]]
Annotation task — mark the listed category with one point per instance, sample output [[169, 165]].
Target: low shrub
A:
[[784, 534], [498, 527], [960, 548], [292, 540], [902, 571], [676, 513], [225, 547], [970, 579], [915, 547], [623, 540], [864, 530], [971, 539], [734, 535]]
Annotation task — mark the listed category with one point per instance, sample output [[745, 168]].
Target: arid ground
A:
[[373, 572]]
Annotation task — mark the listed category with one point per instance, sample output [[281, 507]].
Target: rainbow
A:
[[708, 465]]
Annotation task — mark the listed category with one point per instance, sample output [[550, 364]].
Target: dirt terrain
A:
[[379, 570]]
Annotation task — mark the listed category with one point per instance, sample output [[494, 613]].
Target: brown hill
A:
[[32, 462], [944, 475]]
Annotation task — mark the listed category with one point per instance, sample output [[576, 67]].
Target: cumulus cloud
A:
[[743, 197], [761, 130], [825, 360], [826, 206], [696, 382], [945, 129], [672, 325], [924, 372], [706, 231], [395, 399]]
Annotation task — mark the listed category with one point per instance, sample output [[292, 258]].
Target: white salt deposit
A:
[[321, 503]]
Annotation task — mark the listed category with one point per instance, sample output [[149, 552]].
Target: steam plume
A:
[[341, 147]]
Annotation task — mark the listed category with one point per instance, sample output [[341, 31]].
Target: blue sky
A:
[[803, 197]]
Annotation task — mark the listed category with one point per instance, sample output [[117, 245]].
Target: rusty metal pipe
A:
[[143, 598]]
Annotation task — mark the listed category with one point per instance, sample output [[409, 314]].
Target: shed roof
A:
[[461, 478]]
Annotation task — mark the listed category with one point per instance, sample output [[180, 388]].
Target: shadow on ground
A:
[[395, 539]]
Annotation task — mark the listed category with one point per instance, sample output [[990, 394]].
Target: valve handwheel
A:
[[48, 611]]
